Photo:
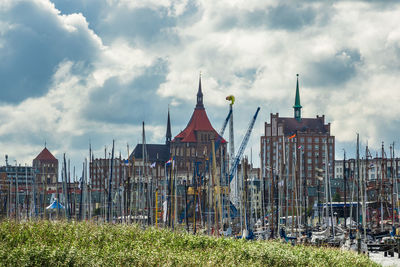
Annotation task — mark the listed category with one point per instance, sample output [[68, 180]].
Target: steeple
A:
[[297, 107], [199, 96], [168, 135]]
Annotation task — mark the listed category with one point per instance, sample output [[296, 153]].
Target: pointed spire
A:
[[297, 107], [199, 96], [168, 135]]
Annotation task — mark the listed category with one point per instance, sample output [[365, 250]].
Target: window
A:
[[309, 147], [302, 140], [316, 139], [309, 161], [316, 147], [309, 140]]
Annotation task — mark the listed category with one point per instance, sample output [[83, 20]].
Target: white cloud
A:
[[346, 53]]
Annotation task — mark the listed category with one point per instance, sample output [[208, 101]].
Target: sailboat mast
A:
[[358, 184], [109, 202], [345, 186], [392, 183], [381, 188]]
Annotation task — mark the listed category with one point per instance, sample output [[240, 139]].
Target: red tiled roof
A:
[[198, 122], [45, 155]]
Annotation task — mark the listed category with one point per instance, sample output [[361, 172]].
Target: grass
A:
[[85, 244]]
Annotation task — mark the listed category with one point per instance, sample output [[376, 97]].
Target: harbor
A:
[[199, 183]]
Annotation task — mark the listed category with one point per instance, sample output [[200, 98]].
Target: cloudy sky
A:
[[73, 71]]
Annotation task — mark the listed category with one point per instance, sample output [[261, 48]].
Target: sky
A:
[[90, 71]]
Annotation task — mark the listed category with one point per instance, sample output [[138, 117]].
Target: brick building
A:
[[46, 169], [192, 146], [292, 149]]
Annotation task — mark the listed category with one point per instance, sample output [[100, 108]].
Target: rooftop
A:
[[45, 155], [198, 122]]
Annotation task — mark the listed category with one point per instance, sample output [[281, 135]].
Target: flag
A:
[[169, 161], [292, 136], [153, 165], [300, 147]]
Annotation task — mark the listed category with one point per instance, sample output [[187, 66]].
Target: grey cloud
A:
[[290, 18], [96, 11], [248, 74], [141, 24], [282, 17], [130, 103], [34, 47], [335, 70]]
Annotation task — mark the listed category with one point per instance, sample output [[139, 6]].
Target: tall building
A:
[[297, 148], [8, 186], [46, 169], [192, 146], [9, 173]]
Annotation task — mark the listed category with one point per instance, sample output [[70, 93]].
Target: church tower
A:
[[192, 146], [168, 135], [297, 107]]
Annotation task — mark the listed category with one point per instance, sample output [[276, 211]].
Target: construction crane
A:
[[221, 133], [242, 146], [236, 161]]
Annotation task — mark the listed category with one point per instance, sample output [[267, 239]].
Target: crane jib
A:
[[243, 146]]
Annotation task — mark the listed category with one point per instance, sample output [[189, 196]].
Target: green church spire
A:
[[297, 107]]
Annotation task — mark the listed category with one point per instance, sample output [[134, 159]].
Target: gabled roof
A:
[[291, 125], [45, 155], [155, 152], [198, 122]]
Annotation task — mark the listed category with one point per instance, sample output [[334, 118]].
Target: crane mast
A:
[[239, 155]]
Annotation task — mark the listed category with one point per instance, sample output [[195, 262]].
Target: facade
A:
[[293, 150], [9, 173], [191, 148], [249, 189], [46, 169], [374, 168], [374, 172], [100, 173], [9, 187], [153, 163]]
